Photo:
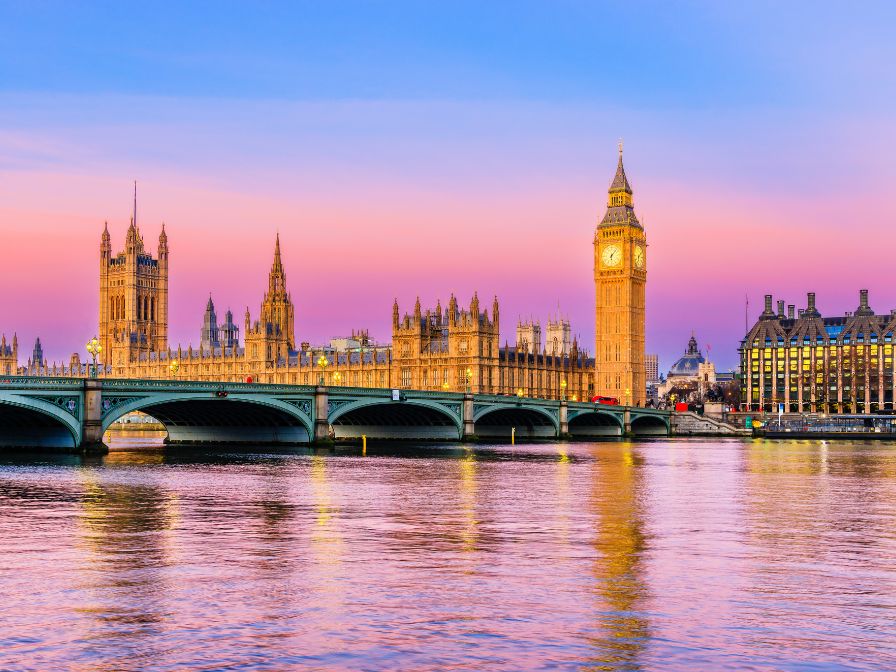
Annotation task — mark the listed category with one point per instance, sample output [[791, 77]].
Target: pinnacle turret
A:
[[620, 181], [620, 205], [278, 263]]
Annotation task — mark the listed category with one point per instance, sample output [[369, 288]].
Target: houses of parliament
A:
[[453, 347]]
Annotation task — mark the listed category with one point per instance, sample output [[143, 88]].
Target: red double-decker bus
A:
[[610, 401]]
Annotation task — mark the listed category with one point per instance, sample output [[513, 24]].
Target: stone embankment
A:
[[691, 424]]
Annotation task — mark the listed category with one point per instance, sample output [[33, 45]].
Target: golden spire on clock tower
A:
[[620, 278]]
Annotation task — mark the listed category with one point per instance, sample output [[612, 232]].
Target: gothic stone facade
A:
[[133, 310], [620, 279], [452, 350], [455, 349]]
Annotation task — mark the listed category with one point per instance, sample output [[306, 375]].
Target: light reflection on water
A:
[[605, 556]]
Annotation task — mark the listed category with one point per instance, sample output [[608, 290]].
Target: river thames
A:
[[663, 555]]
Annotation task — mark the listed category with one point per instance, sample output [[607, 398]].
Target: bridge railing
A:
[[41, 382], [66, 383], [154, 384], [335, 390]]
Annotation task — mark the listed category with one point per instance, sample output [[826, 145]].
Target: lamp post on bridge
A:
[[322, 362], [174, 367], [469, 376], [563, 390], [337, 378], [94, 348]]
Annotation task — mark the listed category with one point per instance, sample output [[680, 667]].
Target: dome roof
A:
[[689, 363]]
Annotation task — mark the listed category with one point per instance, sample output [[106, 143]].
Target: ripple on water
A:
[[661, 555]]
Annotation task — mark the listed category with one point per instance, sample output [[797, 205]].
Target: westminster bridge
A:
[[74, 413]]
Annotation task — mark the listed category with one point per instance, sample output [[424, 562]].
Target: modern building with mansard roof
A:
[[815, 364]]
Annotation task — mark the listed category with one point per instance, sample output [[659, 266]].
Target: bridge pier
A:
[[627, 423], [469, 427], [321, 417], [92, 423], [563, 430]]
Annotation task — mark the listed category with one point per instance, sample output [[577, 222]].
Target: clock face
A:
[[611, 256], [639, 256]]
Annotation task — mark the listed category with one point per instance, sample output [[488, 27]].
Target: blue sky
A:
[[652, 53]]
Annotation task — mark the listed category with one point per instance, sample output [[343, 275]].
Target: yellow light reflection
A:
[[470, 532]]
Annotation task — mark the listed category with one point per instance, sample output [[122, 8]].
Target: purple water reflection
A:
[[673, 555]]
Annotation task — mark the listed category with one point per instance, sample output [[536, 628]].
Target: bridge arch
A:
[[202, 418], [497, 421], [596, 424], [382, 418], [649, 425], [31, 422]]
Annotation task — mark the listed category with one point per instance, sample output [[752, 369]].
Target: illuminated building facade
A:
[[133, 307], [9, 356], [620, 280], [815, 364], [455, 349]]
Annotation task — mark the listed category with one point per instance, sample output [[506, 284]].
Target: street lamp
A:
[[445, 386], [469, 373], [563, 390], [337, 377], [322, 362], [94, 348], [519, 393], [174, 367]]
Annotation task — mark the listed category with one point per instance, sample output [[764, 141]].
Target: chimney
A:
[[781, 309], [768, 303], [811, 310], [790, 310], [800, 313]]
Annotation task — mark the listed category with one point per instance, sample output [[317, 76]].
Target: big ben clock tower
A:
[[620, 277]]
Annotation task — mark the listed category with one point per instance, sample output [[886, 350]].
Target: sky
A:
[[405, 149]]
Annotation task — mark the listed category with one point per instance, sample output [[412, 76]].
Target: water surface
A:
[[666, 555]]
